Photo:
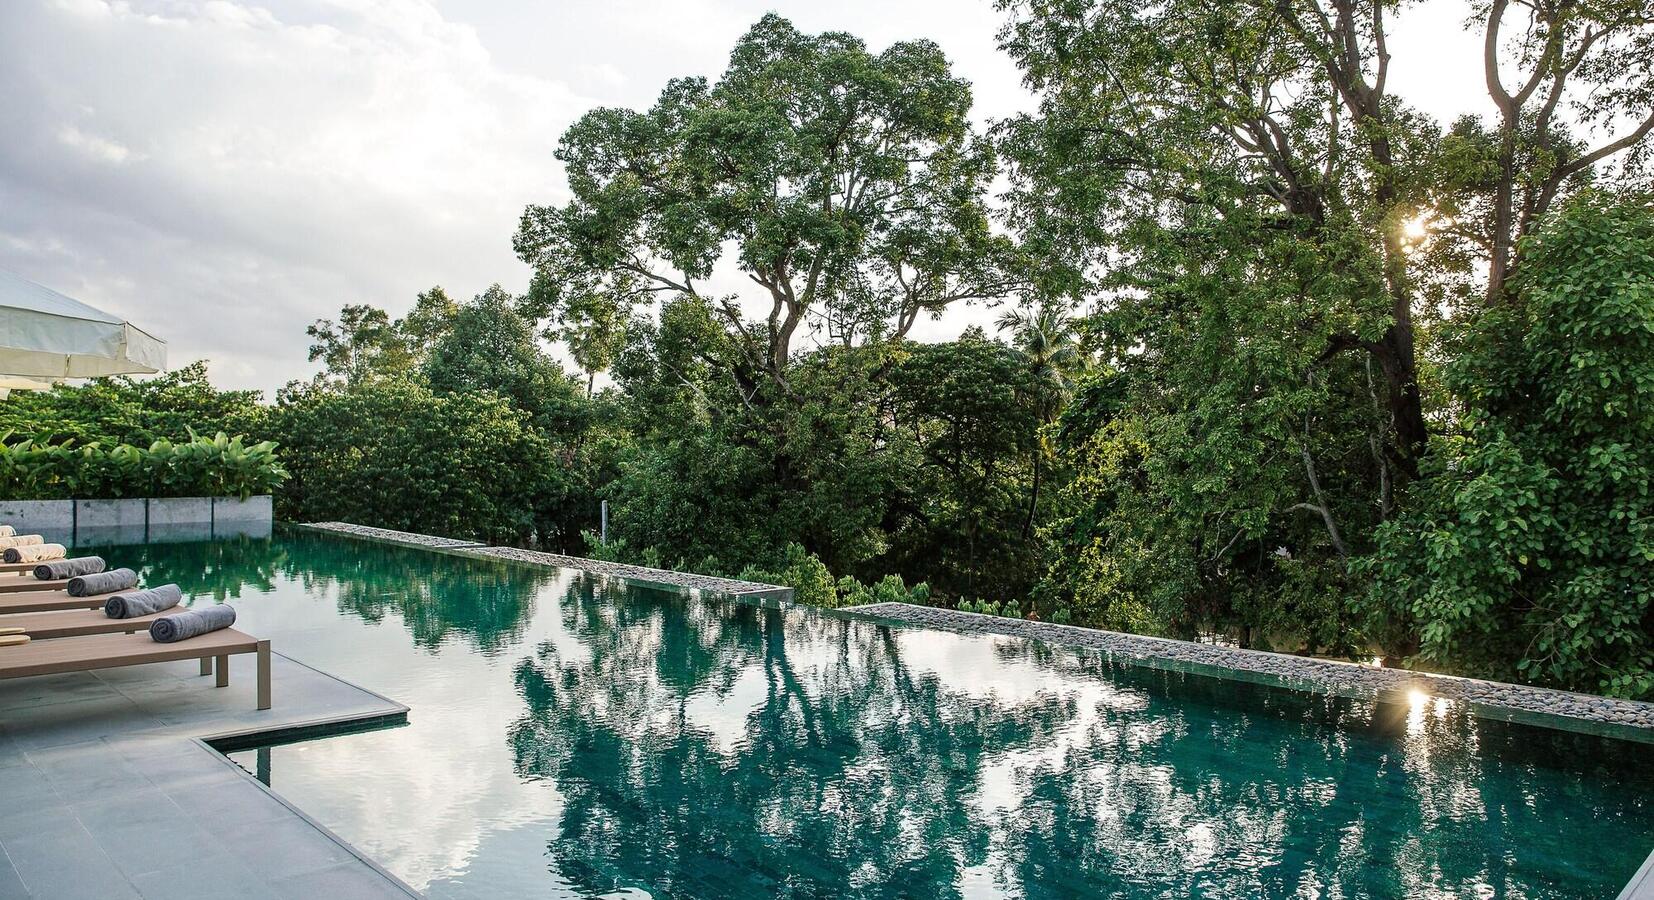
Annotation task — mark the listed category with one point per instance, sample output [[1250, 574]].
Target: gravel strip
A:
[[1627, 719], [643, 574], [406, 538]]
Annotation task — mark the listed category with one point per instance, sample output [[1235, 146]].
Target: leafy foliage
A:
[[846, 185], [1530, 551], [396, 454], [220, 466], [122, 410]]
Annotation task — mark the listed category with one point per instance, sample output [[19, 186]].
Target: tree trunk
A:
[[1033, 499]]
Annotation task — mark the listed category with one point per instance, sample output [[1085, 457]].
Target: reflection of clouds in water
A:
[[957, 762], [723, 714], [431, 792], [705, 748], [978, 667]]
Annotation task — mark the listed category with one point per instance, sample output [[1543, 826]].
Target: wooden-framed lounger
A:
[[64, 623], [113, 651], [22, 585], [47, 601]]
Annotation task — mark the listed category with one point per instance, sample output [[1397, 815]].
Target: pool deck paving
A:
[[110, 790]]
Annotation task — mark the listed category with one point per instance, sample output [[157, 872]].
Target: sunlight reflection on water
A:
[[572, 739]]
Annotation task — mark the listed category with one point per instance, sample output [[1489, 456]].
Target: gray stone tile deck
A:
[[1641, 886], [109, 791]]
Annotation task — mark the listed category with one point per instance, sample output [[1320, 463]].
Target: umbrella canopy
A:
[[45, 335]]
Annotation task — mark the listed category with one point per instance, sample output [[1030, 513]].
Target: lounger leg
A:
[[224, 671], [206, 665], [263, 674]]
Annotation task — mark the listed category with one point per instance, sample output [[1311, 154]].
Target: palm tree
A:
[[1046, 336]]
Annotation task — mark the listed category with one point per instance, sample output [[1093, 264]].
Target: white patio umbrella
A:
[[46, 337]]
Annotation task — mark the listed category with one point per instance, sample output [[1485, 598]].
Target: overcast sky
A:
[[225, 172]]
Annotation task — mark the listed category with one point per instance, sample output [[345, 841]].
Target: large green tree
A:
[[1276, 245], [489, 346], [845, 186], [1530, 551]]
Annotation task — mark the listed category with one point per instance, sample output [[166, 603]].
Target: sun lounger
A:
[[21, 585], [46, 601], [111, 651], [75, 623]]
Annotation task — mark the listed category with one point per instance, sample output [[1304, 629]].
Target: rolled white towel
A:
[[31, 553], [7, 531], [21, 540]]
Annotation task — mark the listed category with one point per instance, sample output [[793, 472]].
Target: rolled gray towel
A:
[[103, 582], [190, 623], [142, 603], [69, 568]]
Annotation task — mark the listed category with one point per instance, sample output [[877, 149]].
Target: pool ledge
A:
[[643, 576], [113, 789], [1565, 710], [1641, 886]]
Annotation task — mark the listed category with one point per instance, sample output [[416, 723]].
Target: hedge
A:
[[220, 466]]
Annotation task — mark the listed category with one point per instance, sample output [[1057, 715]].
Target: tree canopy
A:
[[845, 185], [1282, 361]]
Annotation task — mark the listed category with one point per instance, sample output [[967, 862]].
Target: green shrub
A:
[[800, 570], [220, 466], [392, 453], [889, 589]]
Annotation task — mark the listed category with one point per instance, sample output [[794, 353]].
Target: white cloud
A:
[[95, 147], [224, 172], [247, 168]]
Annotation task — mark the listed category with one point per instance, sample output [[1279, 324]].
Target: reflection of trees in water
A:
[[855, 776], [220, 569], [488, 602]]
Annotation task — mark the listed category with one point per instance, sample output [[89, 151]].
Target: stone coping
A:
[[389, 536], [1626, 719], [1641, 885], [643, 575]]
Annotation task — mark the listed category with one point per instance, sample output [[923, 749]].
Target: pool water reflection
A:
[[569, 738]]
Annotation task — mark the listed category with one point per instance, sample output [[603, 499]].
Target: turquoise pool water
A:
[[573, 739]]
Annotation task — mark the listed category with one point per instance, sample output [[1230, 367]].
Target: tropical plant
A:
[[220, 466], [122, 410], [395, 454]]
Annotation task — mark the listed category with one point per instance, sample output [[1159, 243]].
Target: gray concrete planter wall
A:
[[152, 519]]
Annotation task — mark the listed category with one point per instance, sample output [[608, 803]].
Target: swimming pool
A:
[[575, 738]]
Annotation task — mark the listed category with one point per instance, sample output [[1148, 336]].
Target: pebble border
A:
[[642, 574], [639, 574], [1628, 719], [406, 538]]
